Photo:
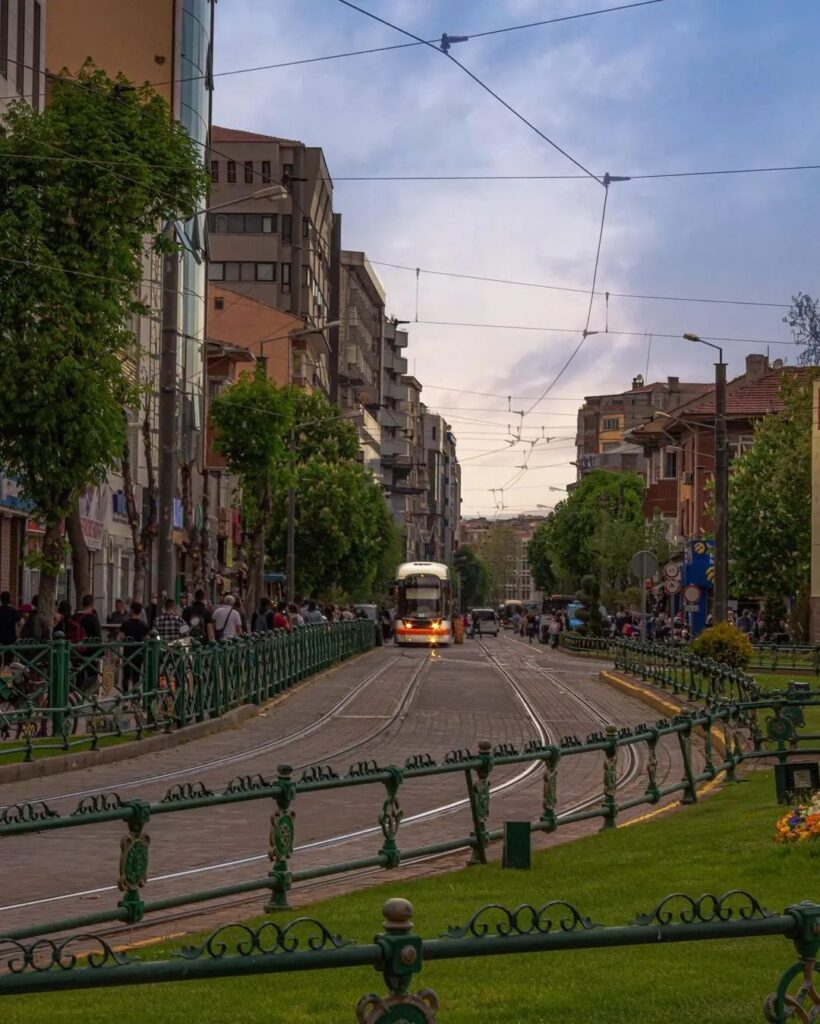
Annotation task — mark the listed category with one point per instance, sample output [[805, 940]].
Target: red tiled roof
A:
[[220, 134], [662, 385]]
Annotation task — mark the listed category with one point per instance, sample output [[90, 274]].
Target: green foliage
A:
[[773, 611], [589, 613], [800, 616], [499, 550], [474, 577], [724, 643], [78, 230], [540, 559], [804, 320], [596, 529], [770, 501]]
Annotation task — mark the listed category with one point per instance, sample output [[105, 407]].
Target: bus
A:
[[423, 604], [509, 608]]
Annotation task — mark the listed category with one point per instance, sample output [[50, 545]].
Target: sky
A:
[[679, 85]]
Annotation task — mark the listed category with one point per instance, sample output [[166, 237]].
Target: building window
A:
[[248, 272], [232, 271], [21, 45], [265, 271], [287, 228], [231, 172], [266, 172], [4, 38], [219, 302], [287, 173], [249, 172], [269, 222], [610, 423], [216, 271], [286, 277], [670, 464], [305, 227], [215, 171], [305, 275], [35, 56], [242, 223]]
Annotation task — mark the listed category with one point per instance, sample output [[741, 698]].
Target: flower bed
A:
[[801, 823]]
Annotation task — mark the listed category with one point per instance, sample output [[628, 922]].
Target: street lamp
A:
[[271, 192], [563, 489], [721, 606]]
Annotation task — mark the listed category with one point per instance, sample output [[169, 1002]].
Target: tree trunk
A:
[[53, 552], [151, 524], [79, 555], [205, 534], [133, 514], [256, 537], [191, 532]]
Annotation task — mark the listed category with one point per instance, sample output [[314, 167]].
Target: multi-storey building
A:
[[443, 508], [22, 52], [22, 58], [605, 420], [167, 42], [503, 544]]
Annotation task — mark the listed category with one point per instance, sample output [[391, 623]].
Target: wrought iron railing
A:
[[57, 696], [729, 732], [88, 961]]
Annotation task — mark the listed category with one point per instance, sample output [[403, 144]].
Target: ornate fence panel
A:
[[59, 696]]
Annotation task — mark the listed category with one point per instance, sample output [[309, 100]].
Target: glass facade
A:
[[194, 112]]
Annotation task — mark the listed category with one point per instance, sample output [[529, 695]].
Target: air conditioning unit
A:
[[687, 478]]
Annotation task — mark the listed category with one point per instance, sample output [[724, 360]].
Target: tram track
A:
[[521, 779]]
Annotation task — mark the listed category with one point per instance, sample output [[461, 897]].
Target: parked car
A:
[[488, 621]]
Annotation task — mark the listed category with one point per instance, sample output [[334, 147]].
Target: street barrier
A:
[[729, 730], [58, 696], [240, 950]]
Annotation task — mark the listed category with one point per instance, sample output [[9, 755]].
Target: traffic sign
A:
[[692, 593], [691, 607], [643, 565], [671, 586], [671, 571]]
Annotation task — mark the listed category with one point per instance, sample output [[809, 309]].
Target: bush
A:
[[724, 643]]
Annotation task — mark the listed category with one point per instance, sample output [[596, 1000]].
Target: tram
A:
[[423, 604]]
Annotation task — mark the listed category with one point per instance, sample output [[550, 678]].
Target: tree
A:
[[499, 551], [474, 577], [804, 321], [540, 559], [770, 501], [590, 611], [76, 230], [596, 529]]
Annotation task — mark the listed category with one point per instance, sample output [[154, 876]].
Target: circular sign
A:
[[671, 586], [643, 565], [691, 593], [672, 571]]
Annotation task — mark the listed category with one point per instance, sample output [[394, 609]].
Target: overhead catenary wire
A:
[[442, 50]]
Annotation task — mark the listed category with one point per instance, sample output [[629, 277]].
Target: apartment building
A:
[[605, 420], [22, 53], [168, 42], [443, 507]]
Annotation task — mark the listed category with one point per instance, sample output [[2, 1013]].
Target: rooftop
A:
[[220, 134]]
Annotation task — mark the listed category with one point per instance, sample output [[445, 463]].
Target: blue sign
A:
[[10, 495], [698, 568]]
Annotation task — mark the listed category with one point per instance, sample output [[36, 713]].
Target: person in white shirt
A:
[[227, 620]]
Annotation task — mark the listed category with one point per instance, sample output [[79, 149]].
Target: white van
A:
[[487, 621]]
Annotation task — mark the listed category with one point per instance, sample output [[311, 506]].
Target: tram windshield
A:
[[423, 596]]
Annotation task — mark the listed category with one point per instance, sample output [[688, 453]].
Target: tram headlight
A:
[[436, 625]]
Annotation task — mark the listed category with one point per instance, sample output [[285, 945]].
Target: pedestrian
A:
[[294, 616], [313, 617], [133, 633], [227, 620], [89, 631], [168, 623], [243, 615], [63, 623], [9, 623], [516, 620], [554, 631], [152, 611], [532, 626], [35, 627], [199, 618], [476, 624], [262, 621], [280, 618], [119, 614]]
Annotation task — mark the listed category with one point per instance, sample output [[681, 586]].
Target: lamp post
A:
[[721, 602]]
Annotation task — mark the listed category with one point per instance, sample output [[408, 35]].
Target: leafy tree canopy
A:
[[804, 320], [770, 501], [474, 577], [540, 559]]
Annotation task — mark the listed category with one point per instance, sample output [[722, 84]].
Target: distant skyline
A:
[[676, 86]]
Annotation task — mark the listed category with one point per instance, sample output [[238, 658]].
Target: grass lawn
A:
[[724, 843], [51, 747]]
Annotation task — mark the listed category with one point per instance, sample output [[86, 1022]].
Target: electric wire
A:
[[479, 82]]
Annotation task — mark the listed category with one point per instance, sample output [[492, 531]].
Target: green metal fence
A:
[[399, 953], [59, 696], [730, 732]]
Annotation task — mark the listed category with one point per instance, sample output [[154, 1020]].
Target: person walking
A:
[[133, 633], [313, 617], [262, 621], [168, 623], [35, 627], [89, 632], [280, 618], [532, 626], [119, 613], [295, 616], [199, 618], [554, 631], [227, 620]]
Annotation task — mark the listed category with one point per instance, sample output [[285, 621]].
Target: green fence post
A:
[[151, 670], [653, 793], [690, 793], [282, 834], [59, 672], [402, 955], [390, 817], [478, 790], [610, 778], [133, 872], [550, 792]]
